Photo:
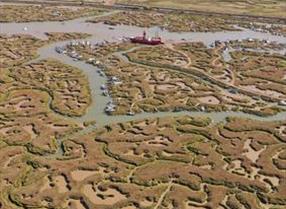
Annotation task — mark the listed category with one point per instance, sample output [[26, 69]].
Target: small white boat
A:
[[105, 93], [91, 59], [103, 87], [283, 103], [109, 109], [130, 113]]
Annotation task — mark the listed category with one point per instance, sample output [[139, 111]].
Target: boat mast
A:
[[144, 35]]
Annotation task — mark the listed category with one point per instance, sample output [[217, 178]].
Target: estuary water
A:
[[101, 32]]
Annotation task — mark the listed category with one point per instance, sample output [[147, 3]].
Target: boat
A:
[[130, 113], [282, 103], [105, 93], [103, 87], [109, 110], [102, 74], [115, 81], [145, 40], [60, 50], [91, 60], [110, 107]]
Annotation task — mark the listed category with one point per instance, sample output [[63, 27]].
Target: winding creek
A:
[[100, 33]]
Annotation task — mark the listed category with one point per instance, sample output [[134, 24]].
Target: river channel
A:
[[100, 33]]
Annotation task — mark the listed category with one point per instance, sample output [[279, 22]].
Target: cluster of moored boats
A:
[[111, 106], [76, 56]]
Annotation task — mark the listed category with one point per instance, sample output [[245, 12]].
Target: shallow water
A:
[[101, 32]]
